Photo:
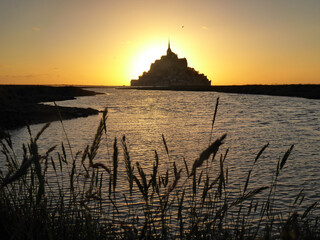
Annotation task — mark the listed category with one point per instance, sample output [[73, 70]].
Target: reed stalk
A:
[[178, 203]]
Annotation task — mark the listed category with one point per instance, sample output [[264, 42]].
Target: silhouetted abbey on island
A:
[[171, 71]]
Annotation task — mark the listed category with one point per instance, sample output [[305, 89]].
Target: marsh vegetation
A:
[[57, 193]]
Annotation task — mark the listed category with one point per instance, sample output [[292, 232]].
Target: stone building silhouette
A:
[[170, 71]]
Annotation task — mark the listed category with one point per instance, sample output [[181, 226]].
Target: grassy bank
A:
[[294, 90], [57, 193], [19, 105]]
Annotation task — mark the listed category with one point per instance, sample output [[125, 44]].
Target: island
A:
[[21, 105], [171, 71]]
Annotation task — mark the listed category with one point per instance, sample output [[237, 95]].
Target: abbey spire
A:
[[171, 54], [169, 49]]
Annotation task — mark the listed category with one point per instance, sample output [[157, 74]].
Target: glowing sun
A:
[[145, 56]]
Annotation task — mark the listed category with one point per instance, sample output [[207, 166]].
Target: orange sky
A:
[[100, 42]]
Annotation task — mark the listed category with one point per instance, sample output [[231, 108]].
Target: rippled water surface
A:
[[184, 118]]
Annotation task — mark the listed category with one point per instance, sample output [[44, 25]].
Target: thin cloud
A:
[[204, 27], [29, 76], [4, 66], [36, 29], [22, 76]]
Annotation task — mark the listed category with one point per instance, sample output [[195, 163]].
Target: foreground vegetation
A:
[[50, 195]]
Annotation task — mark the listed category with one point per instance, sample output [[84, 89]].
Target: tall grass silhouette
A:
[[58, 195]]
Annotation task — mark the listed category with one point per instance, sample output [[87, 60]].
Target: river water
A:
[[185, 117]]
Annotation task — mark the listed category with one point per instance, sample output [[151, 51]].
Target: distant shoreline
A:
[[310, 91], [20, 105]]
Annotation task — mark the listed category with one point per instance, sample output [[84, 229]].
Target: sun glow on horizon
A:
[[144, 57], [109, 43]]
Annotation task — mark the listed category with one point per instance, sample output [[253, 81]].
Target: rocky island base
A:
[[310, 91]]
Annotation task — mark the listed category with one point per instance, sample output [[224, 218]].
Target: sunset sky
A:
[[96, 42]]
